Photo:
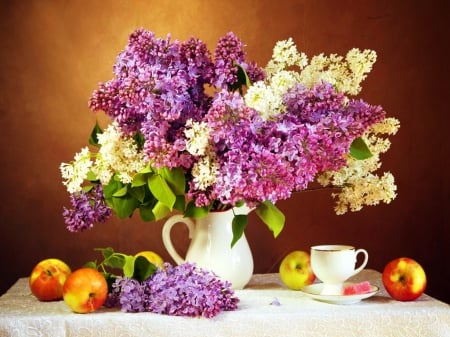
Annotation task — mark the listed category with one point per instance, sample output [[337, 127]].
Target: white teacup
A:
[[334, 264]]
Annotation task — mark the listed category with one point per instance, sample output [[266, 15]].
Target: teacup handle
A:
[[167, 241], [366, 258]]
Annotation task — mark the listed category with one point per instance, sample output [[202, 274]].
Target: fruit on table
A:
[[152, 257], [47, 279], [404, 279], [357, 288], [295, 270], [85, 290]]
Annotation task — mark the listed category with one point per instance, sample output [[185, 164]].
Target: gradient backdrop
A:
[[53, 54]]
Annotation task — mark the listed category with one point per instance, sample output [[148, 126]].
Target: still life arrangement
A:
[[198, 132]]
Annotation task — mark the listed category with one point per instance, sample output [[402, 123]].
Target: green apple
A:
[[295, 270]]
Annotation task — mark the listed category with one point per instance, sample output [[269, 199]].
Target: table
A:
[[297, 315]]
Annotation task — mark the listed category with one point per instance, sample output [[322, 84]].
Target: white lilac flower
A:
[[360, 63], [75, 173], [117, 154], [197, 135], [359, 185], [285, 54], [260, 97], [267, 99], [388, 126], [367, 190], [205, 172], [346, 75]]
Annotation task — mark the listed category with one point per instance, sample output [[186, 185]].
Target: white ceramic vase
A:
[[210, 246]]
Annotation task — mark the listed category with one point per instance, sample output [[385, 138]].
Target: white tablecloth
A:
[[297, 315]]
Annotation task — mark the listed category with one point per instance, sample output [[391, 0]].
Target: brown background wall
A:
[[53, 53]]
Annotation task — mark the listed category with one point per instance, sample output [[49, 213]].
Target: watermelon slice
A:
[[357, 288]]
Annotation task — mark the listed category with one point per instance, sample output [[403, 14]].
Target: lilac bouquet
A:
[[196, 131]]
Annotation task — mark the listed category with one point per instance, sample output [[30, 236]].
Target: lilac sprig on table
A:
[[184, 290]]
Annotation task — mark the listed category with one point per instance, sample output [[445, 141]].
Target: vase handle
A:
[[167, 241]]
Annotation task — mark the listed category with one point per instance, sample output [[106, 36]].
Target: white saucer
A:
[[314, 290]]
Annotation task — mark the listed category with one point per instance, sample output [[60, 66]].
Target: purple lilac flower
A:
[[88, 208], [127, 97], [157, 86], [229, 52], [197, 57], [183, 290], [250, 167], [325, 124], [254, 72]]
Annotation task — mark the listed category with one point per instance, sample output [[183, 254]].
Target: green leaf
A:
[[91, 176], [128, 266], [121, 192], [193, 211], [271, 216], [110, 279], [112, 187], [143, 268], [106, 252], [88, 188], [180, 203], [161, 190], [140, 140], [359, 149], [116, 260], [124, 206], [175, 178], [238, 224], [91, 264], [242, 79], [139, 179], [138, 193], [146, 213], [93, 139], [160, 210], [146, 169]]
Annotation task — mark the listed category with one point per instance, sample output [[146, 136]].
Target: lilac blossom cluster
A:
[[184, 290], [159, 85], [323, 125], [87, 208], [284, 154]]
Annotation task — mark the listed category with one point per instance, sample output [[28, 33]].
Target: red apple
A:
[[47, 279], [295, 270], [404, 279], [85, 290]]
